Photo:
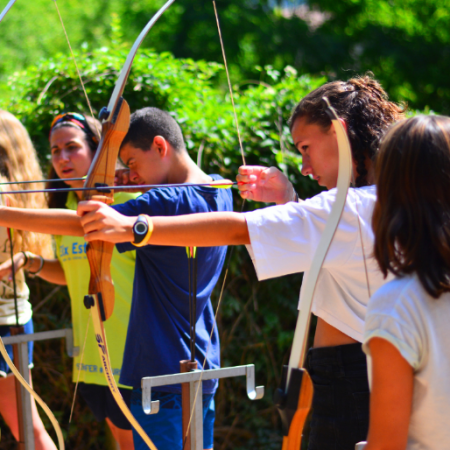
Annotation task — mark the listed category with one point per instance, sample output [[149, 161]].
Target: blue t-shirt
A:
[[158, 331]]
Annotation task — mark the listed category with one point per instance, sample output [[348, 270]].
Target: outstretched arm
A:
[[47, 221], [265, 184], [100, 222]]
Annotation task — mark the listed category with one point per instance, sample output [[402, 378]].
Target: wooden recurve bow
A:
[[115, 123], [294, 397]]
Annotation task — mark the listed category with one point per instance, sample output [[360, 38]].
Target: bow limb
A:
[[303, 390], [38, 399], [106, 365], [123, 76]]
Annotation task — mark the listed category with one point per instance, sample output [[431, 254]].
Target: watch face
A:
[[140, 228]]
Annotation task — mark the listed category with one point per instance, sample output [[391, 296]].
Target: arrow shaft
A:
[[226, 185]]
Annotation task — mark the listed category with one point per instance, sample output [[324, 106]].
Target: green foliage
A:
[[405, 44], [256, 320]]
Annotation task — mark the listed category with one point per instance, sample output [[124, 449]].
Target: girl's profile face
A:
[[70, 154], [319, 150]]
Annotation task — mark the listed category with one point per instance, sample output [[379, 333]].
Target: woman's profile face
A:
[[70, 154], [319, 150]]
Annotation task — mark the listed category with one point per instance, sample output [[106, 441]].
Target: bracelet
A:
[[26, 259], [41, 265]]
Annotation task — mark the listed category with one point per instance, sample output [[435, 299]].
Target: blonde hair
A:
[[19, 162]]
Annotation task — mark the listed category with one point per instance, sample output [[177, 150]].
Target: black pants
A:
[[340, 409]]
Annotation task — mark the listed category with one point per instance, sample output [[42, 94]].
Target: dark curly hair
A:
[[364, 106]]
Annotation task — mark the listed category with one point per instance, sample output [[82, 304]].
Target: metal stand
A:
[[21, 342], [195, 379]]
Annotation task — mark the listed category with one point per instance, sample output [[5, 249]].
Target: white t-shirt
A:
[[284, 240], [417, 325]]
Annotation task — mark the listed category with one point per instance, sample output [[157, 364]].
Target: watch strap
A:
[[149, 231]]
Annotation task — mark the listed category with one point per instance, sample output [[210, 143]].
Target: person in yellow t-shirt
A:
[[73, 140]]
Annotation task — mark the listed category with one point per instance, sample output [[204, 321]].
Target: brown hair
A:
[[364, 105], [58, 199], [19, 162], [411, 219]]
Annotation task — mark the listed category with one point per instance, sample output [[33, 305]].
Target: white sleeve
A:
[[392, 317], [284, 238]]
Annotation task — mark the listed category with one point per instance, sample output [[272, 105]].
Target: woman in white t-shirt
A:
[[406, 333], [283, 239]]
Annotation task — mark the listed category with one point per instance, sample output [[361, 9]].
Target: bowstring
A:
[[236, 122], [362, 247], [73, 58], [361, 239], [232, 249]]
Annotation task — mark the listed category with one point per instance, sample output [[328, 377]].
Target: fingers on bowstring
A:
[[247, 194]]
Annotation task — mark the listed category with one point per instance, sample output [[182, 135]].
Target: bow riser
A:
[[101, 172]]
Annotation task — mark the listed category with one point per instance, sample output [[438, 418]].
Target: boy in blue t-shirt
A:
[[158, 333]]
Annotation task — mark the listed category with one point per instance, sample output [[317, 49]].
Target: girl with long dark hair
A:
[[406, 332]]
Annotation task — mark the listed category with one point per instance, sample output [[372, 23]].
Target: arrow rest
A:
[[103, 114], [88, 301]]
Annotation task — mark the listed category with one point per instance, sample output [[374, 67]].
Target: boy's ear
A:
[[161, 145]]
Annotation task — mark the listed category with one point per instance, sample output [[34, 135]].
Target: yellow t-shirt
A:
[[71, 252]]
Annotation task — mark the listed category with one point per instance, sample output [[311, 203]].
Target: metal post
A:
[[27, 414], [196, 406], [186, 365]]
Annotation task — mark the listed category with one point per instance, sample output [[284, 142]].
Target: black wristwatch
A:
[[140, 229]]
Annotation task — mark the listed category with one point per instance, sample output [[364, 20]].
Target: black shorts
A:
[[102, 403], [340, 407]]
